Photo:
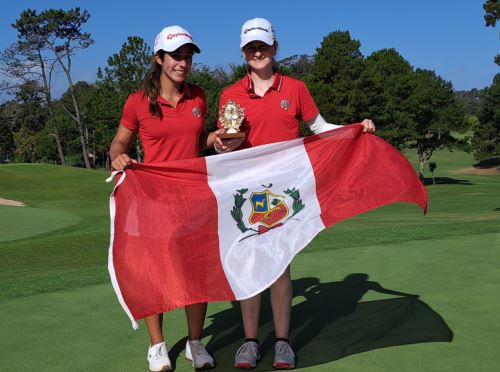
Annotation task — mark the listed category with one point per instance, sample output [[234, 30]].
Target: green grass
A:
[[72, 234], [55, 296], [20, 223], [454, 209], [85, 329]]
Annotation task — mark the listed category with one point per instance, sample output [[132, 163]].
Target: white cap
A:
[[172, 38], [257, 29]]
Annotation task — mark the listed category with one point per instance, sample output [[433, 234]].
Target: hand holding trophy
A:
[[231, 116]]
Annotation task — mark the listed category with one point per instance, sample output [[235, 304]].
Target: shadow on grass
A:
[[446, 181], [330, 324], [488, 163]]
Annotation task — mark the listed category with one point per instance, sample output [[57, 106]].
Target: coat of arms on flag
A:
[[269, 210]]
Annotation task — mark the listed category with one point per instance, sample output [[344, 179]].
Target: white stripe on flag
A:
[[252, 262], [111, 266]]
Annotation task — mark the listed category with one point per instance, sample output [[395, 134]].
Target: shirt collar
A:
[[248, 83], [186, 93]]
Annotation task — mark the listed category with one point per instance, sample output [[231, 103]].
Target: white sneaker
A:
[[196, 353], [158, 358]]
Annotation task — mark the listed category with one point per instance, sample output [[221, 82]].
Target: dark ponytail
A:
[[152, 86]]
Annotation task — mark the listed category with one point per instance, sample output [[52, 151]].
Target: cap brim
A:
[[176, 46], [249, 38], [196, 48]]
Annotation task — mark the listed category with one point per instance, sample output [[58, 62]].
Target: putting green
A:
[[23, 222]]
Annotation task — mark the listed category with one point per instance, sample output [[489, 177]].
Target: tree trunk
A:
[[48, 98], [433, 181], [424, 154], [76, 117], [421, 163], [55, 133], [107, 166]]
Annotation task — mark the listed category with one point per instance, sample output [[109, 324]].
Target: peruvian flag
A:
[[225, 227]]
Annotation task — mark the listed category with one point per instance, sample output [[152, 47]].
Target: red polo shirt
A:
[[177, 134], [274, 117]]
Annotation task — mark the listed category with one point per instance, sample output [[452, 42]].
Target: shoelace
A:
[[197, 348], [284, 348], [158, 353], [248, 348]]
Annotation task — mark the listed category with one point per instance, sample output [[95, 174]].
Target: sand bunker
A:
[[479, 171], [13, 203]]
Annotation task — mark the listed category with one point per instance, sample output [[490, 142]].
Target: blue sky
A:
[[447, 36]]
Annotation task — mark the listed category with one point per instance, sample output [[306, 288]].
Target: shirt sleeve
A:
[[129, 113], [319, 125], [308, 108]]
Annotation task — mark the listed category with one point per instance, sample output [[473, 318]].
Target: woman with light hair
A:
[[273, 104]]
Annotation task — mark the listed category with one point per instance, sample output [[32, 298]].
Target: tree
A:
[[124, 74], [432, 168], [299, 65], [84, 93], [27, 60], [492, 12], [390, 75], [64, 29], [127, 69], [32, 113], [102, 117], [47, 41], [486, 140], [25, 141], [237, 72], [212, 82], [336, 67], [469, 100], [30, 118], [8, 113], [434, 114], [491, 16]]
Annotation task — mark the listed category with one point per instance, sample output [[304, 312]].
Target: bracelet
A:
[[218, 150]]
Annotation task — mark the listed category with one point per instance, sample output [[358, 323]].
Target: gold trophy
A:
[[231, 116]]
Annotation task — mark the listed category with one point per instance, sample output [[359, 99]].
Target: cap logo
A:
[[196, 112], [255, 28], [285, 104], [171, 36]]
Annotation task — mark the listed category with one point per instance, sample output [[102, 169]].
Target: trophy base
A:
[[232, 135]]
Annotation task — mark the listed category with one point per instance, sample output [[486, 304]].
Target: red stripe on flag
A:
[[162, 258], [357, 172]]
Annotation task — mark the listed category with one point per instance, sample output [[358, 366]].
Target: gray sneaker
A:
[[284, 357], [247, 356], [196, 353]]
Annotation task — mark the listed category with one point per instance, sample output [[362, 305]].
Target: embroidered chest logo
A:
[[269, 210], [196, 112], [285, 104]]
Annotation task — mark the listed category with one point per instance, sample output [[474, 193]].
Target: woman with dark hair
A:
[[168, 115], [273, 106]]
